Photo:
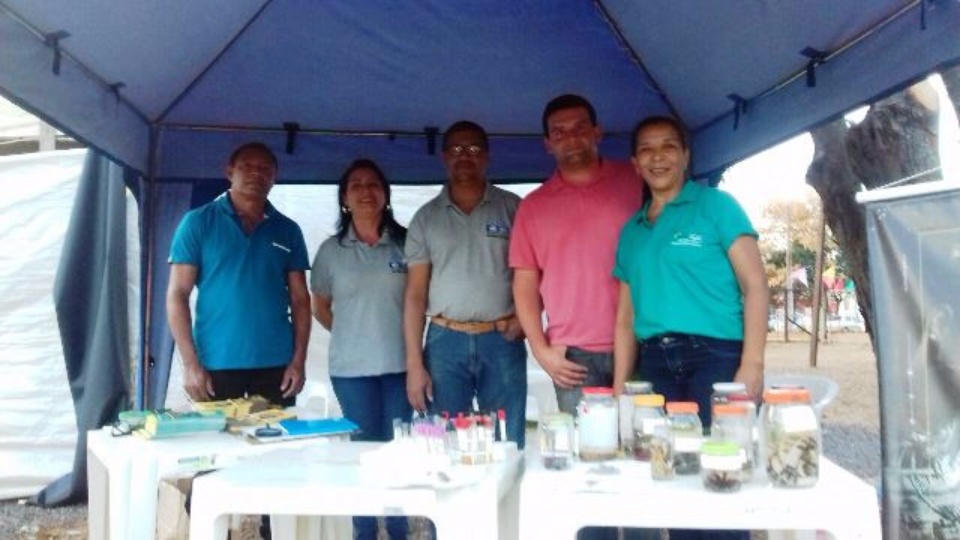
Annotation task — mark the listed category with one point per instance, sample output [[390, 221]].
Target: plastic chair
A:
[[823, 389], [315, 397]]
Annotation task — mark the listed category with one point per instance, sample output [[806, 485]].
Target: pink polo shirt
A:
[[569, 233]]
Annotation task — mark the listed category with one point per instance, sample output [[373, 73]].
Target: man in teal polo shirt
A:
[[248, 262]]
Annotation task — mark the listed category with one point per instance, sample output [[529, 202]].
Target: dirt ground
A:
[[850, 427]]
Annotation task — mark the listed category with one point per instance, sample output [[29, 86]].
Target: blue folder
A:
[[322, 426]]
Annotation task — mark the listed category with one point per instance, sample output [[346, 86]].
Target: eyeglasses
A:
[[458, 150]]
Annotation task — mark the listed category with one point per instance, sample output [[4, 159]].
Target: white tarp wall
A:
[[37, 421]]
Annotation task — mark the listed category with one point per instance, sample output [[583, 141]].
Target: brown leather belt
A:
[[471, 327]]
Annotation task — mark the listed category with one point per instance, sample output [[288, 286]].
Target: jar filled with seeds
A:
[[661, 453], [597, 426], [647, 415], [721, 466], [791, 438], [687, 433]]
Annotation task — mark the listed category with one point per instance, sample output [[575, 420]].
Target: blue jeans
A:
[[683, 367], [486, 366], [373, 403], [599, 373]]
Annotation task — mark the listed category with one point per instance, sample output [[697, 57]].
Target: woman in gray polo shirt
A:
[[357, 284]]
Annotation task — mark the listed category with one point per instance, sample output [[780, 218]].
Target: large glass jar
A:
[[791, 439], [687, 433], [647, 415], [597, 426]]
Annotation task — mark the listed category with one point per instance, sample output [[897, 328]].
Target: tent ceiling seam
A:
[[634, 56], [213, 61], [391, 134], [44, 38], [827, 56]]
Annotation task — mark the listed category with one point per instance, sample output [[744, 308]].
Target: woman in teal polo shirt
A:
[[693, 290], [357, 282]]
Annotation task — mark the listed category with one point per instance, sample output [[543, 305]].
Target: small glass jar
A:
[[721, 466], [556, 440], [753, 421], [732, 424], [791, 440], [647, 415], [661, 453], [597, 426], [630, 389], [687, 432]]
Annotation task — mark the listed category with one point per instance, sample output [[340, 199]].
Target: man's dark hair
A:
[[465, 125], [257, 146], [398, 234], [567, 101]]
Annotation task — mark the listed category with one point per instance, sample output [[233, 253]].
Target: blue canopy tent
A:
[[168, 89]]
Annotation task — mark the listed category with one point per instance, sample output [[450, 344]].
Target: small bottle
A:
[[625, 401], [721, 466], [597, 425], [687, 432], [661, 453], [791, 438], [647, 415]]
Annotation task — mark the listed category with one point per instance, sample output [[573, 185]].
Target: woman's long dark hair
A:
[[398, 233], [655, 121]]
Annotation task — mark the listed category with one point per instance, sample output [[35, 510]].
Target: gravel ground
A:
[[850, 430]]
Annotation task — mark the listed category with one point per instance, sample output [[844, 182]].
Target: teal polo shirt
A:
[[242, 318], [679, 274]]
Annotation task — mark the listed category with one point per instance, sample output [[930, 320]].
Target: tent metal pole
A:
[[207, 128], [148, 218]]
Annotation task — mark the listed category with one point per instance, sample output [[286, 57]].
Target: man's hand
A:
[[419, 388], [751, 374], [565, 374], [197, 382], [293, 379], [512, 331]]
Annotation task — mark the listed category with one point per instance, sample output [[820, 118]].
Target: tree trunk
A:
[[896, 140]]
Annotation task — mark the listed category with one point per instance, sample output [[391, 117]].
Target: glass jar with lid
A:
[[687, 433], [731, 423], [791, 438], [721, 466], [630, 389], [597, 426], [647, 415]]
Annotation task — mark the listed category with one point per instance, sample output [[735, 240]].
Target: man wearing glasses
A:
[[458, 275]]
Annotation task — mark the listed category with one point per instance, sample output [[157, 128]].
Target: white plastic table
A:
[[123, 474], [331, 482], [556, 504]]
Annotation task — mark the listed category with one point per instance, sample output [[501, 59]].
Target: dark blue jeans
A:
[[684, 367], [486, 366], [373, 403]]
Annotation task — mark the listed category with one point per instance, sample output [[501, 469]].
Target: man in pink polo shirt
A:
[[562, 252]]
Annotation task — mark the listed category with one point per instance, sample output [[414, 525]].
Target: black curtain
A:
[[90, 296]]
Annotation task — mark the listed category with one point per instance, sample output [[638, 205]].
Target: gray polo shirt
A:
[[366, 284], [470, 276]]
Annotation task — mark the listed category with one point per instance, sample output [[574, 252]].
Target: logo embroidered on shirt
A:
[[498, 229], [689, 240], [285, 248], [397, 266]]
